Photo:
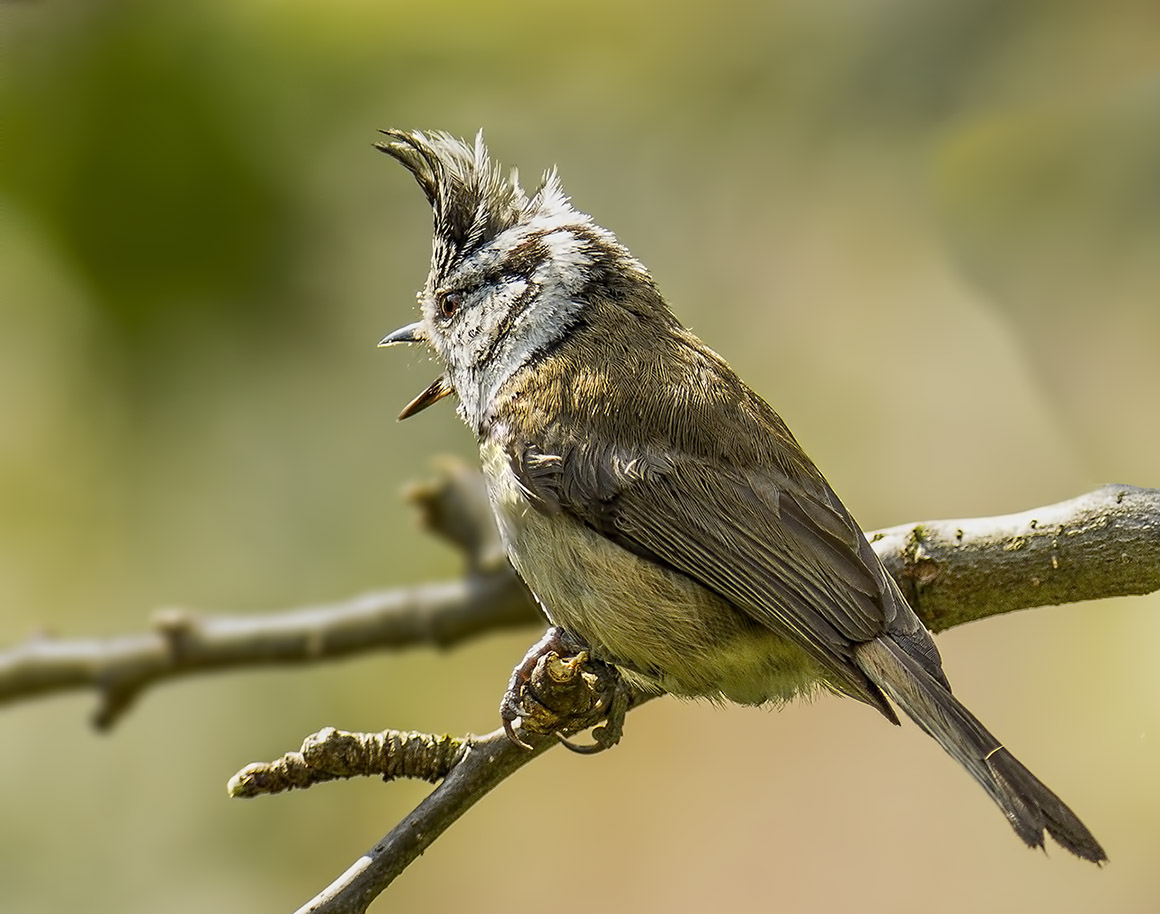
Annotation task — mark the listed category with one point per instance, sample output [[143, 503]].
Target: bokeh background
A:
[[927, 232]]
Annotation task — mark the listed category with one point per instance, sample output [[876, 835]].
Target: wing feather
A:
[[776, 549]]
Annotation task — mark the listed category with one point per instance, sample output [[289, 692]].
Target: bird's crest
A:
[[471, 198]]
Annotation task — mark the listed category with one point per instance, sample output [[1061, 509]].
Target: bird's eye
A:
[[450, 303]]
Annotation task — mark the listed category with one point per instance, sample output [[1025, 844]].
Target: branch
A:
[[1105, 543], [1102, 544], [484, 764], [471, 768], [489, 597], [332, 754], [184, 644]]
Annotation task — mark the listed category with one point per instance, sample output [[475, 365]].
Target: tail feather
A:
[[1029, 805]]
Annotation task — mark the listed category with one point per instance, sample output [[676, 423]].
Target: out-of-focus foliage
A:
[[927, 232]]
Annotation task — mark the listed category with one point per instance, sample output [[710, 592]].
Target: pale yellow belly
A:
[[661, 626]]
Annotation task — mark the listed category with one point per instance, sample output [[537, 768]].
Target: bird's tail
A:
[[1029, 805]]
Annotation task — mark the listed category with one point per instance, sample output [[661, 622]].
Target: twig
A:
[[486, 762], [332, 754], [565, 695], [473, 767]]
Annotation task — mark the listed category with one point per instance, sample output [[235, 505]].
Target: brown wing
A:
[[784, 552]]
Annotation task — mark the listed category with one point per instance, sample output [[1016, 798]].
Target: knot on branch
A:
[[178, 627], [919, 568]]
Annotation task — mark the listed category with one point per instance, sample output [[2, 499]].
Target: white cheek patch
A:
[[473, 338]]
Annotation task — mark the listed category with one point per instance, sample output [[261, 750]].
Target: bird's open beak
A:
[[439, 388], [412, 333], [437, 391]]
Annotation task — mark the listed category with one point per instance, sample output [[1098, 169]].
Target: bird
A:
[[660, 511]]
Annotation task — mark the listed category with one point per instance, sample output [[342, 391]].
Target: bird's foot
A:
[[558, 688]]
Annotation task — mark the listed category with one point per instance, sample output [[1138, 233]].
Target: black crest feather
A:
[[472, 200]]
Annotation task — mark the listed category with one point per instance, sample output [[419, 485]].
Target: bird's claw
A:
[[558, 689], [510, 730], [511, 707]]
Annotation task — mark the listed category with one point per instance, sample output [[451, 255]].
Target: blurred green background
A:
[[927, 232]]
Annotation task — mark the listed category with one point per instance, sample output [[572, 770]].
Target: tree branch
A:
[[485, 763], [184, 644], [1104, 543], [489, 597], [471, 768], [332, 754]]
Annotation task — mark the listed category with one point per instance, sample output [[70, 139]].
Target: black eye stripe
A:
[[451, 301], [518, 307]]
